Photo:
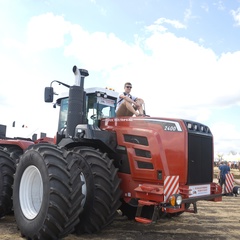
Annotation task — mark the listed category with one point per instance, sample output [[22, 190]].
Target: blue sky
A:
[[182, 58]]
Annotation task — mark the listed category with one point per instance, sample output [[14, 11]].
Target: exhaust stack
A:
[[76, 104]]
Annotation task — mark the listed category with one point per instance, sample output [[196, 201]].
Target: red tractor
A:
[[147, 167]]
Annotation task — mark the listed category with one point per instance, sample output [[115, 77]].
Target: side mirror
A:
[[48, 94]]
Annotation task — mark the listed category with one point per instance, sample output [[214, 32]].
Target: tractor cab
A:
[[100, 103], [81, 110], [95, 103]]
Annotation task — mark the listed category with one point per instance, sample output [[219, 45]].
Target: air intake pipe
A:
[[77, 102]]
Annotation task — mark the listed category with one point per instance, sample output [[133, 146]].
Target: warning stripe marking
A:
[[171, 186], [229, 181]]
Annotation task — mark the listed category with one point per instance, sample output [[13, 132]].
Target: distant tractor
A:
[[147, 167]]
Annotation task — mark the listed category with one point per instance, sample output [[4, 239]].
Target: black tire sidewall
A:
[[7, 170], [89, 181]]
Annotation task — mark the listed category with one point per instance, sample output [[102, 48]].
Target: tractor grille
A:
[[200, 154]]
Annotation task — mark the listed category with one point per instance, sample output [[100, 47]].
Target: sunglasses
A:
[[128, 86]]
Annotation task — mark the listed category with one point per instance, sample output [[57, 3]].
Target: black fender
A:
[[69, 143]]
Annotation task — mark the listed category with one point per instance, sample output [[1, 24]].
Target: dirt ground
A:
[[214, 220]]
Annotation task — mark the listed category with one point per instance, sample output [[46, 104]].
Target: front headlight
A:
[[175, 200], [79, 133], [179, 200], [236, 190]]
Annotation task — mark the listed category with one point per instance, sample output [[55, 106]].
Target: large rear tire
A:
[[15, 152], [7, 170], [47, 193], [101, 189]]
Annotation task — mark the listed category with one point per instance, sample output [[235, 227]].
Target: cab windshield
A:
[[63, 114], [97, 107]]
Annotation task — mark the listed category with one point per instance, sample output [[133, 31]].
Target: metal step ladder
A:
[[141, 204]]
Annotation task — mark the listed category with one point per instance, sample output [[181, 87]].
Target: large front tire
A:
[[47, 192], [101, 189]]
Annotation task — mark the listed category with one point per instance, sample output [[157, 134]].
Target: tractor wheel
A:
[[7, 170], [101, 189], [15, 152], [47, 192]]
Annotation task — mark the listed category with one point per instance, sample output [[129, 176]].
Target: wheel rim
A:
[[31, 192], [84, 188]]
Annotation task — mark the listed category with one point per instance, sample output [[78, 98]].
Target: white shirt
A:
[[120, 100]]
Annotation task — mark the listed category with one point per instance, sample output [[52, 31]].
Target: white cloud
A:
[[201, 41], [226, 136], [99, 50], [183, 70], [43, 32], [188, 15], [46, 31], [220, 5], [236, 16], [156, 28], [174, 23]]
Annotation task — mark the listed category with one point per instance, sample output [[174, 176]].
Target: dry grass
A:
[[214, 220]]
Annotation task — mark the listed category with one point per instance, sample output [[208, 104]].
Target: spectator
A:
[[224, 169]]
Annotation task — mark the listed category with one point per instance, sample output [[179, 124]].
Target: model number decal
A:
[[167, 125], [171, 128]]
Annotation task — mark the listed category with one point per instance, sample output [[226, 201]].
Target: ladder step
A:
[[148, 188], [147, 203], [143, 220]]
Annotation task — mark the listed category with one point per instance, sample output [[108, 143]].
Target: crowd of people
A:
[[232, 165]]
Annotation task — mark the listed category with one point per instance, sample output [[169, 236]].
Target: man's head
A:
[[127, 87]]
